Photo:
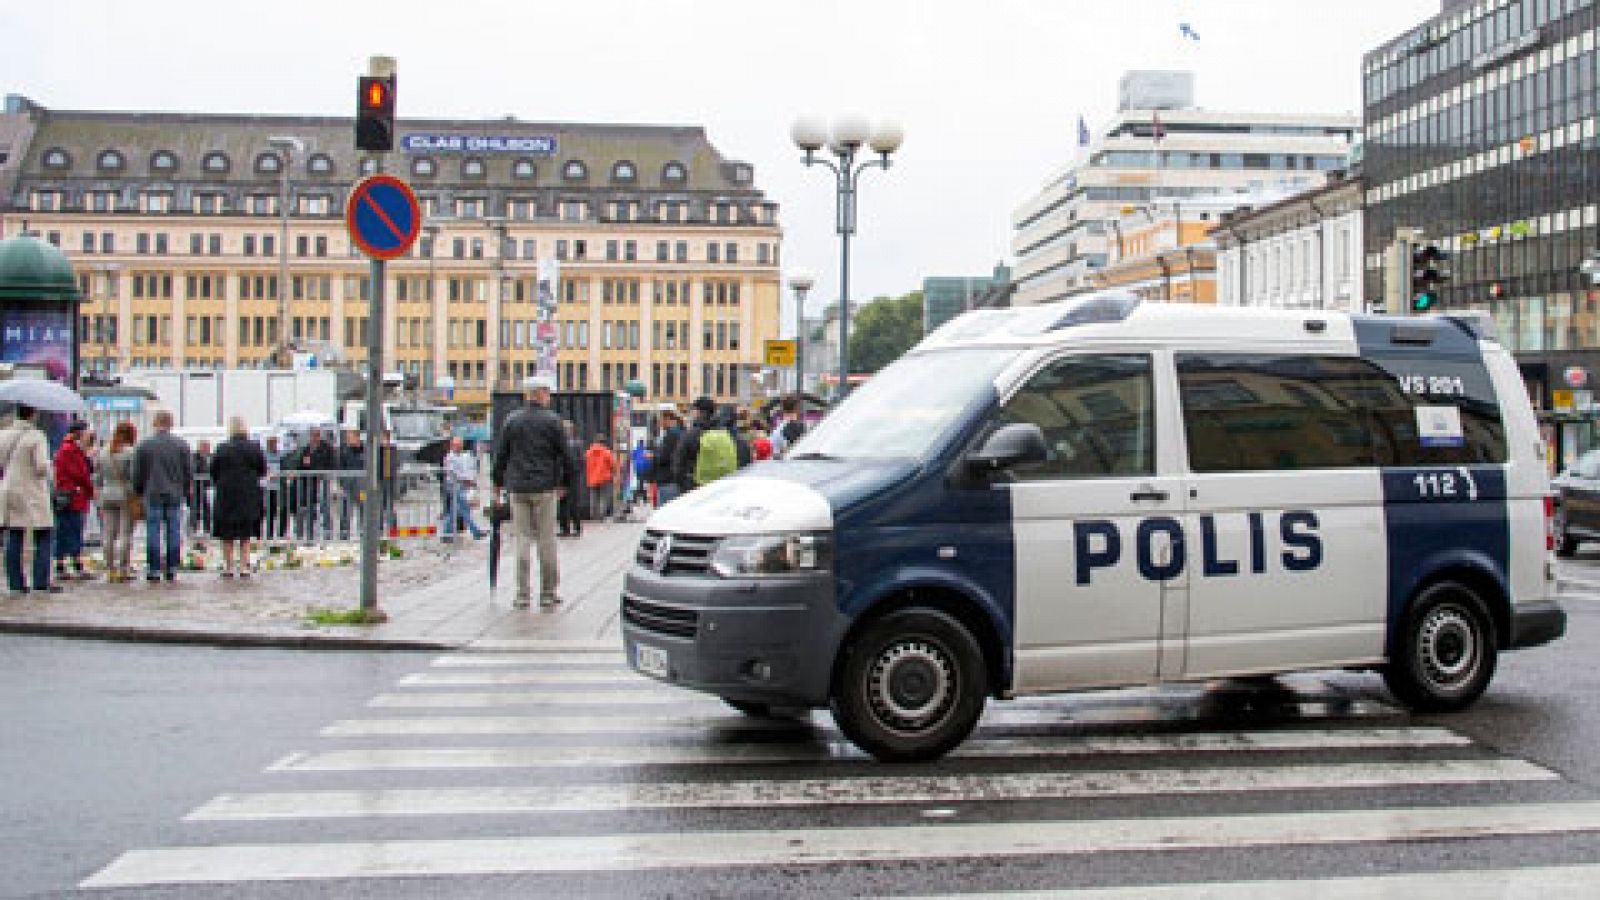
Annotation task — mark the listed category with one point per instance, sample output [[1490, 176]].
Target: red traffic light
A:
[[375, 114], [377, 95]]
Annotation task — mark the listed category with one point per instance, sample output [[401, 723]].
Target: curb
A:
[[139, 634]]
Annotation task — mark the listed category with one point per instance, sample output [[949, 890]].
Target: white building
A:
[[1060, 235], [1299, 252]]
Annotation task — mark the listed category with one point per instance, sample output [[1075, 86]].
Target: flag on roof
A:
[[1156, 127], [1187, 30], [1083, 132]]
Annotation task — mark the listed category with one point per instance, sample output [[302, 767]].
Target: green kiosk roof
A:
[[31, 268]]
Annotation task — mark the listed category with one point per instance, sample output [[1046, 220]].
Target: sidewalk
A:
[[437, 597]]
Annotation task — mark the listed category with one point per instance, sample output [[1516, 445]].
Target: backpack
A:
[[718, 456]]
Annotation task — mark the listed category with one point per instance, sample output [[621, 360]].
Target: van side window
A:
[[1410, 380], [1097, 415], [1251, 413]]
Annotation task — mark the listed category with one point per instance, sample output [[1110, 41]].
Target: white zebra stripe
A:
[[625, 677], [531, 660], [606, 754], [489, 700], [868, 790], [542, 645], [694, 849]]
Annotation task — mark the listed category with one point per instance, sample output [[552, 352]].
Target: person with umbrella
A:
[[26, 512], [531, 463]]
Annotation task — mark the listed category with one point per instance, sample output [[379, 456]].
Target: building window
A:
[[611, 253], [630, 251], [110, 161], [730, 253], [561, 249], [369, 166], [623, 171], [713, 251], [674, 173], [163, 161], [269, 164], [580, 249], [472, 167], [574, 170], [522, 168], [215, 162], [681, 251], [424, 166], [57, 158], [470, 208], [319, 164]]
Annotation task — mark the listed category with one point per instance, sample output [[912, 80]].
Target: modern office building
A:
[[944, 298], [1302, 251], [181, 226], [1164, 146], [1481, 134]]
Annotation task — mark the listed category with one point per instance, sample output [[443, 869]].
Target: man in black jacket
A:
[[665, 472], [688, 451], [532, 464], [317, 456]]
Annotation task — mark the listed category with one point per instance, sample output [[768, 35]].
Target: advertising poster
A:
[[549, 282], [41, 339]]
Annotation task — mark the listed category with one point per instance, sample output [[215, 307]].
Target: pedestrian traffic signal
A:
[[375, 114], [1430, 268]]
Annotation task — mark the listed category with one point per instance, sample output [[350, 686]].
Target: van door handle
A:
[[1147, 494]]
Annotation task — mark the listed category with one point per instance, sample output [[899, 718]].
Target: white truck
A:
[[205, 399]]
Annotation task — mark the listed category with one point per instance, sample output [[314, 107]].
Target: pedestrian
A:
[[532, 463], [601, 465], [26, 510], [760, 444], [163, 467], [236, 470], [200, 490], [687, 452], [119, 505], [643, 462], [790, 427], [570, 510], [666, 475], [317, 462], [353, 465], [274, 507], [74, 488], [461, 481]]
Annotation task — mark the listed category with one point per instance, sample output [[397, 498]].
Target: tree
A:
[[884, 330]]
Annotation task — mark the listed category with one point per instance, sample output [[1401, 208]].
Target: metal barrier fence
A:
[[319, 507]]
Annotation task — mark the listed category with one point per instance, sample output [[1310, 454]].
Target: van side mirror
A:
[[1011, 445]]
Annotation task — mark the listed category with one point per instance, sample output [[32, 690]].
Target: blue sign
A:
[[115, 403], [476, 143], [383, 216]]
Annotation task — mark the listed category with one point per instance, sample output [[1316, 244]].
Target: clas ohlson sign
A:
[[477, 143]]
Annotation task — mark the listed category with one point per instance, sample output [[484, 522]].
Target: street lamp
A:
[[288, 148], [844, 142], [800, 282]]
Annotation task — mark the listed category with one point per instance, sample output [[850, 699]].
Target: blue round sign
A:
[[383, 216]]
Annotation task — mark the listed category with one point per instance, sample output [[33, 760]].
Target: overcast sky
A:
[[988, 92]]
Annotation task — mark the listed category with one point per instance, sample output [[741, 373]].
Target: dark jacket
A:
[[530, 453], [664, 470], [162, 468], [236, 468], [688, 450], [321, 458]]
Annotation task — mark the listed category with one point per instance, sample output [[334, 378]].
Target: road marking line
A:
[[480, 700], [531, 660], [543, 645], [866, 790], [558, 722], [694, 849], [1576, 882], [491, 679], [608, 754]]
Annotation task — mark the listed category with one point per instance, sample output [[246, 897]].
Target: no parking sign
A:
[[383, 216]]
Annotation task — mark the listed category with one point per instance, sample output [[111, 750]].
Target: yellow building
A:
[[668, 253], [1163, 251]]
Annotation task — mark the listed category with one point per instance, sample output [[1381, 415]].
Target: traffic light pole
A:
[[372, 514]]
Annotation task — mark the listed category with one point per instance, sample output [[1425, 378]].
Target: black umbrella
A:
[[433, 452], [499, 511]]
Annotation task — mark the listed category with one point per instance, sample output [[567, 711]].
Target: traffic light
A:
[[375, 114], [1430, 268]]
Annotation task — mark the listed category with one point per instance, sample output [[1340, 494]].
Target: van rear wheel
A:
[[911, 687], [1445, 655]]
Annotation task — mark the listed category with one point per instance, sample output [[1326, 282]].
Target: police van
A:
[[1102, 494]]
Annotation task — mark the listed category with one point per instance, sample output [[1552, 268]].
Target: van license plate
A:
[[650, 660]]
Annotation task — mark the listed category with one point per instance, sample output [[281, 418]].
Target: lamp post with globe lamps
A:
[[845, 140], [800, 282]]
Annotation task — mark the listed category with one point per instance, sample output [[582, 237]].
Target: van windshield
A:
[[904, 409]]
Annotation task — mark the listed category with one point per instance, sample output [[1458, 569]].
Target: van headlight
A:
[[771, 554]]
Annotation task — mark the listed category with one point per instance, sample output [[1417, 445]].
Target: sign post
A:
[[383, 218], [780, 353]]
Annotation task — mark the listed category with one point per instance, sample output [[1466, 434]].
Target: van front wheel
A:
[[1444, 657], [911, 687]]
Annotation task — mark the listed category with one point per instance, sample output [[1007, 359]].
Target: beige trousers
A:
[[533, 520], [116, 538]]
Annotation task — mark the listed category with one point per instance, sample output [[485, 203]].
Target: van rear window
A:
[[1246, 413]]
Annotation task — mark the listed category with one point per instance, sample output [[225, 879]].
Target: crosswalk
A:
[[553, 760]]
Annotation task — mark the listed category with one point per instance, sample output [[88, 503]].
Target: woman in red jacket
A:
[[74, 489]]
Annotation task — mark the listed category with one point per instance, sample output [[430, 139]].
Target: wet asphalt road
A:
[[537, 775]]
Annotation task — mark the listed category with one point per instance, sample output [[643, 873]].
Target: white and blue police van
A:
[[1103, 494]]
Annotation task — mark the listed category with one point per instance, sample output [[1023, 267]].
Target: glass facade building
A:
[[1480, 132]]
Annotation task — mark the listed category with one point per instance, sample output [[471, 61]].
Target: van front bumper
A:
[[751, 640], [1537, 623]]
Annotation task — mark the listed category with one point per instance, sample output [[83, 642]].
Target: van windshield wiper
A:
[[813, 454]]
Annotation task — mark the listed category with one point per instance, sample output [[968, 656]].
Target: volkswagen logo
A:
[[662, 554]]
